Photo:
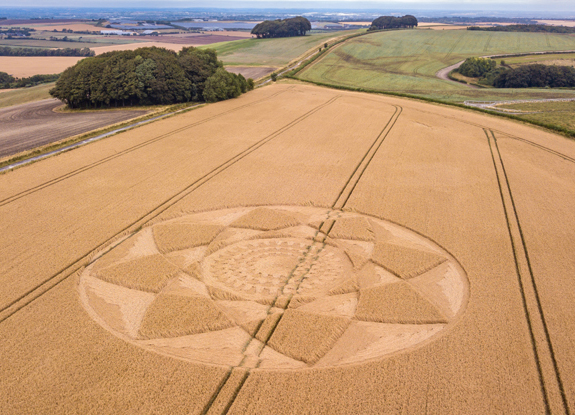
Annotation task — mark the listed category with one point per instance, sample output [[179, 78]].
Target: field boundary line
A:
[[14, 306], [549, 127], [127, 151], [539, 146], [509, 135], [525, 253], [540, 340]]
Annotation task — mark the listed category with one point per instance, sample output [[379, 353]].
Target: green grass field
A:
[[24, 95], [557, 113], [406, 61], [269, 52], [549, 59]]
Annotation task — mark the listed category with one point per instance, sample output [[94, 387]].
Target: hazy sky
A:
[[519, 5]]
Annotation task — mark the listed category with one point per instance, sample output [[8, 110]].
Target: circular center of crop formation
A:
[[277, 287]]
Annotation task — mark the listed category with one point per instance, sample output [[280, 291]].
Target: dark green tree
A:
[[392, 22], [295, 26], [476, 67], [199, 65], [147, 76], [5, 80]]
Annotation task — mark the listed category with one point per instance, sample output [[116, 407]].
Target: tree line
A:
[[392, 22], [535, 28], [9, 51], [536, 76], [8, 81], [16, 31], [295, 26], [148, 76], [525, 76]]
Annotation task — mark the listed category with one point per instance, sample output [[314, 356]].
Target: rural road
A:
[[34, 124], [442, 74]]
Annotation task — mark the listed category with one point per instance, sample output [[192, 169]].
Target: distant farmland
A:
[[406, 61], [270, 52]]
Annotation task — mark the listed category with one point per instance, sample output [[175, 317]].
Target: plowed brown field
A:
[[27, 126], [295, 250]]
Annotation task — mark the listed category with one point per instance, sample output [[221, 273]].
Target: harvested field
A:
[[77, 27], [339, 253], [24, 66], [570, 23], [55, 44], [189, 40], [34, 124], [254, 72], [133, 46]]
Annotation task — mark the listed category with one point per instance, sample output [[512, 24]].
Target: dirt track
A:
[[27, 126]]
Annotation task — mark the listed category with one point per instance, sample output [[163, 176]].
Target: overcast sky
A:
[[519, 5]]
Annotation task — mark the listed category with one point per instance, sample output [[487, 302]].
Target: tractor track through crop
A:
[[324, 228], [487, 44], [78, 264], [82, 169], [448, 55], [521, 256]]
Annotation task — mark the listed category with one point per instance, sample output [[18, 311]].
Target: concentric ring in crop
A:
[[275, 287]]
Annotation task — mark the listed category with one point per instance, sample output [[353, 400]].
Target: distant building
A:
[[150, 32], [117, 33]]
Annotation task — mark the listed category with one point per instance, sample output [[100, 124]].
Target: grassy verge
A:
[[19, 96], [555, 113]]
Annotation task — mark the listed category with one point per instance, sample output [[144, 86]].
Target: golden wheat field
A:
[[295, 250], [25, 66]]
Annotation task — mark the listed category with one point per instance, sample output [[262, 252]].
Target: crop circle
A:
[[278, 287]]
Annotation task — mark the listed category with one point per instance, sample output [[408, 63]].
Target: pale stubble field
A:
[[368, 200]]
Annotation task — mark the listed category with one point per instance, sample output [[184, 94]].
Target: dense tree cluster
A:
[[392, 22], [8, 81], [8, 51], [296, 26], [536, 76], [5, 80], [148, 76], [476, 67], [16, 31], [526, 28]]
